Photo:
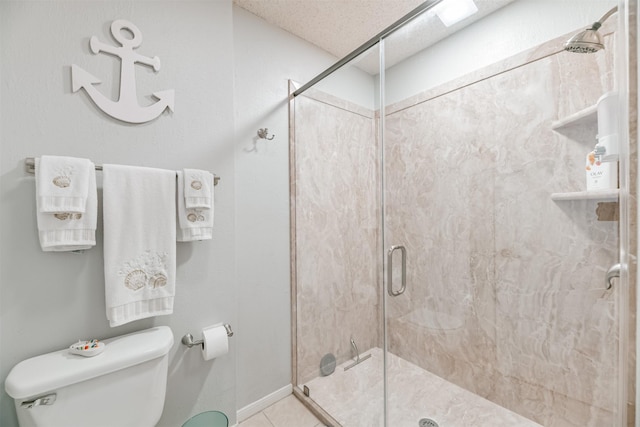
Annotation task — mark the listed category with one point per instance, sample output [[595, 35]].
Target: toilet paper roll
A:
[[216, 342]]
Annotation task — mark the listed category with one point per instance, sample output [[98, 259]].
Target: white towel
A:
[[198, 189], [69, 231], [193, 224], [63, 183], [139, 242]]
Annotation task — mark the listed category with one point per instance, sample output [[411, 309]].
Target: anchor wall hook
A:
[[263, 133]]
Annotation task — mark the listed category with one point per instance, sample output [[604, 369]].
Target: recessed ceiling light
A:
[[453, 11]]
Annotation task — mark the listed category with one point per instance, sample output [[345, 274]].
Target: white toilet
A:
[[123, 386]]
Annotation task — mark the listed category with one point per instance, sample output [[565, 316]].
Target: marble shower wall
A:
[[336, 232], [505, 293]]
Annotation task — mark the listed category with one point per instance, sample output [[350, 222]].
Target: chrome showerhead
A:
[[586, 41], [589, 40]]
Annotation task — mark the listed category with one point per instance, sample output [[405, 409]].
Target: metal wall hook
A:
[[263, 133], [189, 342]]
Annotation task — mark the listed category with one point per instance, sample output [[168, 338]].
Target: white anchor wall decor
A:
[[126, 108]]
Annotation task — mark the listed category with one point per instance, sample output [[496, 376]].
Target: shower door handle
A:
[[390, 290]]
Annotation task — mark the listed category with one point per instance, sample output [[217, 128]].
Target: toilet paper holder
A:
[[189, 342]]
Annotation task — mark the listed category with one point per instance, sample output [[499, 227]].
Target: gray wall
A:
[[230, 71], [266, 57], [50, 300]]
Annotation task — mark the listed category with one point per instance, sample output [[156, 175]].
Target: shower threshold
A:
[[355, 397]]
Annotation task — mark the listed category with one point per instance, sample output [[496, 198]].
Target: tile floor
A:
[[288, 412]]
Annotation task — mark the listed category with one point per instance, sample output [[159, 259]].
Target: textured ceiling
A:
[[337, 26], [341, 26]]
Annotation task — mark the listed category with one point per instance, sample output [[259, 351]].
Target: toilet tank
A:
[[123, 386]]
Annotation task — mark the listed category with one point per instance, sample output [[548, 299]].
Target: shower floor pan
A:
[[354, 397]]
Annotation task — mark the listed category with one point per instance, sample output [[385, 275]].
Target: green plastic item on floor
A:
[[208, 419]]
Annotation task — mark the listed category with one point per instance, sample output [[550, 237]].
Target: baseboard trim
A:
[[261, 404]]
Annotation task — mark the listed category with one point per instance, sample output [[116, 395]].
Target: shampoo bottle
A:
[[601, 175]]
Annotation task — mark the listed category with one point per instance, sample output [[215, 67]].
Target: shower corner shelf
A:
[[575, 125], [588, 116], [601, 195]]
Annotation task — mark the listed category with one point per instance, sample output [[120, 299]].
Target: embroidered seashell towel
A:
[[140, 269]]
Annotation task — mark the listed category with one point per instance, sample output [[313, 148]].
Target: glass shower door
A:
[[496, 307], [338, 365]]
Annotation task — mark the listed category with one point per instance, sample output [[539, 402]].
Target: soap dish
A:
[[87, 348]]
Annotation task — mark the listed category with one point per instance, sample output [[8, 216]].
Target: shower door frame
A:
[[299, 393]]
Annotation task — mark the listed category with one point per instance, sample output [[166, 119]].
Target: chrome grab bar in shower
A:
[[390, 271]]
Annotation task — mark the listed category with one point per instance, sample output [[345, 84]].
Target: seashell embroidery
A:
[[62, 181], [158, 281], [192, 217], [135, 280], [62, 216], [196, 185]]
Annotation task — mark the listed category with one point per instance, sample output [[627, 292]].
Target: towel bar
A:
[[30, 166]]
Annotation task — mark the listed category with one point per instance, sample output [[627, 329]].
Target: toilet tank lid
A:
[[51, 371]]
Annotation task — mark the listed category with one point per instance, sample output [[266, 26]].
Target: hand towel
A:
[[139, 242], [193, 224], [69, 231], [198, 189], [63, 183]]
